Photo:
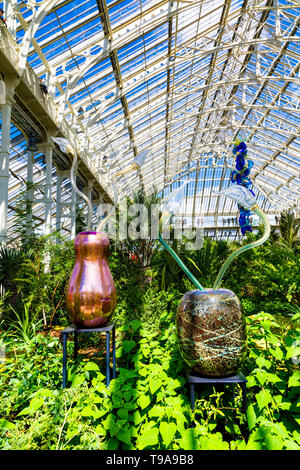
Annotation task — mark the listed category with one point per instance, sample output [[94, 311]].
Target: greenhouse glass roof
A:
[[179, 79]]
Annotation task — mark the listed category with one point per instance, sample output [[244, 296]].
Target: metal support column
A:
[[48, 188], [30, 162], [10, 16], [4, 168], [58, 200]]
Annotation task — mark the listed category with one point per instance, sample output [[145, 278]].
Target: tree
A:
[[289, 227], [142, 247]]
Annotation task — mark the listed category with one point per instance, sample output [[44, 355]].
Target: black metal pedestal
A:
[[239, 378], [109, 328]]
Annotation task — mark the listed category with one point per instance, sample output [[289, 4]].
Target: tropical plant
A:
[[25, 323], [208, 259], [26, 223], [80, 219], [289, 229], [10, 260], [147, 405], [145, 244]]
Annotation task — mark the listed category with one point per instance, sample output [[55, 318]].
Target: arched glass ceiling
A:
[[180, 78]]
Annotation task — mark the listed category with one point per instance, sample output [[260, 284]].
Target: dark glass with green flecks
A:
[[211, 329]]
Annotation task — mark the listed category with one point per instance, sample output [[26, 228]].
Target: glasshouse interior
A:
[[149, 225]]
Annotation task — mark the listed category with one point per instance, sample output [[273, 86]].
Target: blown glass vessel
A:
[[212, 331], [91, 293]]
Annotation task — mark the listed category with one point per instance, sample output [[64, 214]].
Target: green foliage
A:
[[24, 324], [144, 246], [80, 219], [289, 228], [26, 223], [147, 405]]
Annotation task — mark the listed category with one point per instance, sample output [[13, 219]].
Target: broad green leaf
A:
[[277, 353], [34, 405], [148, 438], [176, 402], [273, 378], [251, 382], [167, 431], [6, 425], [124, 436], [127, 395], [189, 440], [291, 445], [122, 413], [279, 429], [261, 376], [135, 324], [281, 403], [112, 444], [127, 374], [155, 384], [213, 442], [42, 392], [88, 411], [293, 351], [240, 445], [156, 411], [254, 445], [100, 430], [296, 434], [262, 362], [263, 398], [71, 432], [92, 412], [137, 419], [77, 380], [273, 442], [91, 366], [294, 380], [143, 401], [128, 345]]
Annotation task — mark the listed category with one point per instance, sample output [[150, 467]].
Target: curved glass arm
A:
[[66, 147], [239, 194], [240, 250], [195, 281]]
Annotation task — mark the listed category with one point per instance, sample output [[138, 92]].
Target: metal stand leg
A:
[[192, 395], [75, 344], [233, 392], [114, 351], [244, 395], [107, 359], [64, 360]]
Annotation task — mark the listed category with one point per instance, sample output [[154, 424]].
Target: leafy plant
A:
[[24, 325]]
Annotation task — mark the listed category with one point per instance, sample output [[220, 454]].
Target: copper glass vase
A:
[[91, 293], [211, 329]]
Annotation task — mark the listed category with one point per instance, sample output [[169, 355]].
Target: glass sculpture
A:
[[91, 293], [210, 322]]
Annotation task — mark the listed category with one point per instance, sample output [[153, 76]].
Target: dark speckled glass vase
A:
[[211, 329]]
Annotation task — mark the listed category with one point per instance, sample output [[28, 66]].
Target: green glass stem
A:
[[229, 260], [181, 264]]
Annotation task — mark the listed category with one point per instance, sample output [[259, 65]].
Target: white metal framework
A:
[[181, 78]]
